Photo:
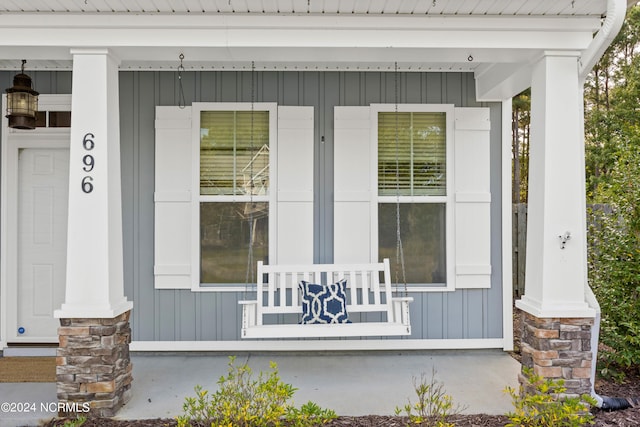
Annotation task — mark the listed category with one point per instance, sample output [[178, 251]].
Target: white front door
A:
[[43, 192]]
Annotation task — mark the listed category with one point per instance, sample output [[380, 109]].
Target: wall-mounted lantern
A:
[[22, 102]]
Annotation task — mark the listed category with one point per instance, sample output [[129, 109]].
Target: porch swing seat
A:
[[278, 308]]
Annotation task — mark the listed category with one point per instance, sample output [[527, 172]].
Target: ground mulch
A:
[[626, 418]]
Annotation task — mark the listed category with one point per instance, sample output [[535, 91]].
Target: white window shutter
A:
[[294, 183], [172, 198], [472, 198], [352, 185]]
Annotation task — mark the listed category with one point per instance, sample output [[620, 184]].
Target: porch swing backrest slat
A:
[[283, 290], [294, 295], [271, 284], [354, 290], [376, 289], [365, 289]]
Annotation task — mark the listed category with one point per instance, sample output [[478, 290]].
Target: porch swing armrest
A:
[[249, 313], [401, 310]]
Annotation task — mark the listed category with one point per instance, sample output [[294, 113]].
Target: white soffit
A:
[[420, 35]]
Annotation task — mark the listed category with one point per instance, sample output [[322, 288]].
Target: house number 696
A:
[[88, 161]]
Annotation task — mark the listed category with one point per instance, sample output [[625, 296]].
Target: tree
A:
[[611, 102], [520, 125]]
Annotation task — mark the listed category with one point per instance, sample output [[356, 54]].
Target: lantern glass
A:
[[22, 104]]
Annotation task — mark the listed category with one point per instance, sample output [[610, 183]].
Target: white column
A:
[[94, 286], [556, 270]]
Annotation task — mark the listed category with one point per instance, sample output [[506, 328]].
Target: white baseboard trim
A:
[[28, 351], [318, 345]]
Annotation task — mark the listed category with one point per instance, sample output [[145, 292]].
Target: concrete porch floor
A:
[[350, 383]]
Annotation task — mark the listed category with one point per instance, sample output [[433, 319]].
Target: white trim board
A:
[[12, 141], [320, 345], [507, 243], [29, 351]]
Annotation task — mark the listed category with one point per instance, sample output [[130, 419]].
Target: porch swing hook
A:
[[181, 100]]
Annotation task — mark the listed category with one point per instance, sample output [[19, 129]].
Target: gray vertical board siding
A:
[[494, 305], [49, 82], [153, 311], [45, 82], [330, 98], [433, 315], [128, 164], [210, 316]]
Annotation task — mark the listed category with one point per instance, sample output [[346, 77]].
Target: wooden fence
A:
[[519, 239]]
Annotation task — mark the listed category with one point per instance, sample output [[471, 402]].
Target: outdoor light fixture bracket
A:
[[564, 238]]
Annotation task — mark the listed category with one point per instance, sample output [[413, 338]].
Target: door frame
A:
[[11, 142]]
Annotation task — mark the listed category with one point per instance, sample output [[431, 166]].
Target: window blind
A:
[[234, 151], [421, 153]]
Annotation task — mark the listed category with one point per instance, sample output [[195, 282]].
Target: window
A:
[[202, 215], [442, 183], [413, 190], [53, 119], [234, 186]]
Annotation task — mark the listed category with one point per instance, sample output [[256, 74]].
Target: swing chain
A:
[[249, 278], [399, 249]]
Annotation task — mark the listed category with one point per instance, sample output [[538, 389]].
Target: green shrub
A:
[[614, 266], [434, 405], [546, 407], [242, 401], [75, 422], [309, 414]]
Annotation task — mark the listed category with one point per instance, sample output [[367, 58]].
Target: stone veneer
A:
[[93, 364], [558, 348]]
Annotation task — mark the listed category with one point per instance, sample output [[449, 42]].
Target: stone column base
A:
[[558, 348], [93, 366]]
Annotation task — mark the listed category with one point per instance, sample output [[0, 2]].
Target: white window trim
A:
[[449, 199], [197, 108]]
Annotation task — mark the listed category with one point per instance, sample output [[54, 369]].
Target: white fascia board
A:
[[416, 38], [295, 31], [328, 22], [298, 37]]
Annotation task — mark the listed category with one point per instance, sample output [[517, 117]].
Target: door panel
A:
[[42, 240]]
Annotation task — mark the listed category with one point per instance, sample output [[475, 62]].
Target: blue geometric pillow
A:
[[324, 303]]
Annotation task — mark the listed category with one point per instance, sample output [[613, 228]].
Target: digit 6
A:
[[87, 186], [87, 142]]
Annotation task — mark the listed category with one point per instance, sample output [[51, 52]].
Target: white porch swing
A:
[[337, 292]]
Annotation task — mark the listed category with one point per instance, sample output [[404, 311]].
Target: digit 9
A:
[[89, 162]]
